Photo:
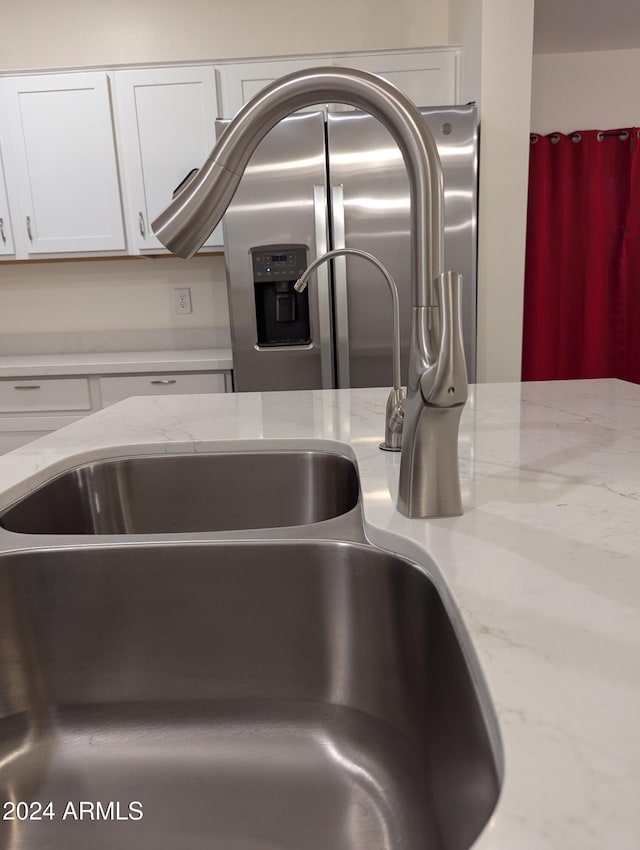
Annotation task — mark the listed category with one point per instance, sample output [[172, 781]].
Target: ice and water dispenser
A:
[[282, 314]]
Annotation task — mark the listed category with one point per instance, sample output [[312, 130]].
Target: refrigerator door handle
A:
[[325, 323], [340, 298]]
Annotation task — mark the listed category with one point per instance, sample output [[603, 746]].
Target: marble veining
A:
[[544, 566]]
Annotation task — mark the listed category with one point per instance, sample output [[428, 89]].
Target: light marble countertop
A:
[[544, 566], [116, 363]]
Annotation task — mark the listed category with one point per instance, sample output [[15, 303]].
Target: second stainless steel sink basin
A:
[[220, 491], [272, 695]]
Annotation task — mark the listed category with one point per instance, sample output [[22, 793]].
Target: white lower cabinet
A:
[[34, 406], [113, 389], [45, 395], [10, 440]]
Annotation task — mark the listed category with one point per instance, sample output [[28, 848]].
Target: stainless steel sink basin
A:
[[280, 695], [190, 493]]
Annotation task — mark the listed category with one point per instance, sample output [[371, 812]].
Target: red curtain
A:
[[582, 296], [630, 270]]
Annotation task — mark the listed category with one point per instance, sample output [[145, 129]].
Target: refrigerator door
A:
[[370, 211], [276, 223]]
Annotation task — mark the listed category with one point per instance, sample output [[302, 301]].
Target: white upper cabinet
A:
[[429, 76], [6, 237], [165, 125], [240, 81], [66, 190], [60, 164]]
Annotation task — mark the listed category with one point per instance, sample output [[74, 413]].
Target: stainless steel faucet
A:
[[394, 417], [437, 388]]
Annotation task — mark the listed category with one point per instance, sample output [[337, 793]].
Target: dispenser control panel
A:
[[278, 262]]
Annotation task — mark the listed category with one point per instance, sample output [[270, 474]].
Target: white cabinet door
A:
[[63, 163], [240, 82], [6, 237], [165, 124], [117, 388], [10, 441], [428, 77], [44, 394]]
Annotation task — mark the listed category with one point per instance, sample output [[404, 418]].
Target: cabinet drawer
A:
[[11, 441], [116, 389], [28, 395]]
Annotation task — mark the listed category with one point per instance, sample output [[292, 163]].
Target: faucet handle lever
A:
[[445, 383]]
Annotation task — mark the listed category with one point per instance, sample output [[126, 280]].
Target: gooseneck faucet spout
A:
[[394, 418], [435, 356]]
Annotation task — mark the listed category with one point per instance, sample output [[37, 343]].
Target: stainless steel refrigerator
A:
[[319, 181]]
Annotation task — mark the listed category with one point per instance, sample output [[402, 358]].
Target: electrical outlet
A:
[[182, 300]]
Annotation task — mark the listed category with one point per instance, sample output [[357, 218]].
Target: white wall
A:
[[585, 91], [58, 33], [465, 29], [103, 295], [497, 36]]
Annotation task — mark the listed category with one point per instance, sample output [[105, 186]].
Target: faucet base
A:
[[429, 477]]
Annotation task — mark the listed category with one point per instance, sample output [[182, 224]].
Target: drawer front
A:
[[118, 388], [9, 442], [27, 395]]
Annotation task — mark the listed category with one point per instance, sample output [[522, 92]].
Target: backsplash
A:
[[111, 305], [104, 342]]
